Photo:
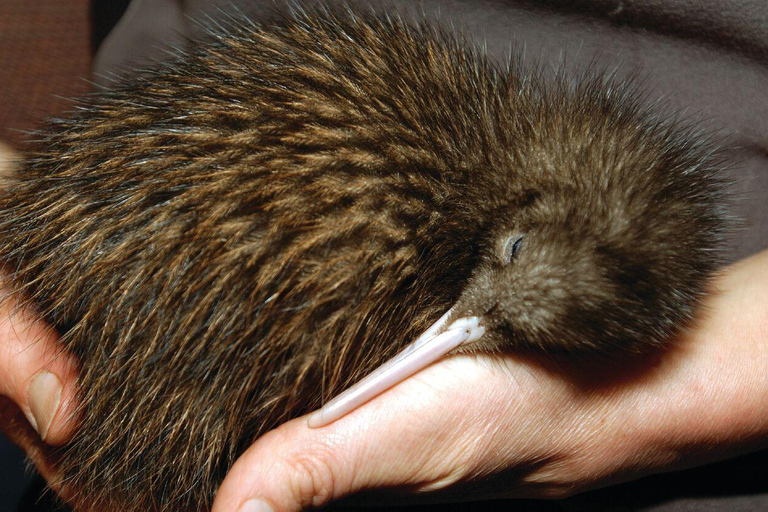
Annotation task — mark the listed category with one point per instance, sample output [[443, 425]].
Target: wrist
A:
[[703, 400], [723, 396]]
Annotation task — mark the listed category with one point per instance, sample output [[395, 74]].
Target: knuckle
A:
[[314, 483]]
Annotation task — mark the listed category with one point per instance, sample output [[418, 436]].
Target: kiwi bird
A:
[[229, 240]]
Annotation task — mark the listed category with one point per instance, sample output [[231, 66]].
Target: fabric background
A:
[[45, 56]]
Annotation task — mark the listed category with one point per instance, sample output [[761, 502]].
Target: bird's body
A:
[[230, 240]]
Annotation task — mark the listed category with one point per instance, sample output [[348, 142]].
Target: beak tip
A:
[[315, 421]]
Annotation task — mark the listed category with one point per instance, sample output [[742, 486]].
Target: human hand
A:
[[37, 384], [502, 427], [37, 381]]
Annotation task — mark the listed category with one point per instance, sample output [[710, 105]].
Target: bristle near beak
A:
[[432, 345]]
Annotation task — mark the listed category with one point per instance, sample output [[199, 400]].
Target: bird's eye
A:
[[511, 248]]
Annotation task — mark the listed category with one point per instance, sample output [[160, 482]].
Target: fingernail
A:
[[255, 506], [44, 398]]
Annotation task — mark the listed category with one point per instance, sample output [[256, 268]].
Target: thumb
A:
[[405, 441], [290, 468], [35, 374]]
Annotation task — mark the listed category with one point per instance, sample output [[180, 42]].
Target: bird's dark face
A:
[[576, 271]]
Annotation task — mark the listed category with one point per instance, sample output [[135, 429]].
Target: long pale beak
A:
[[428, 348]]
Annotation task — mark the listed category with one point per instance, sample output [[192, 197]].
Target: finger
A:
[[17, 429], [415, 436], [9, 160], [36, 375]]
